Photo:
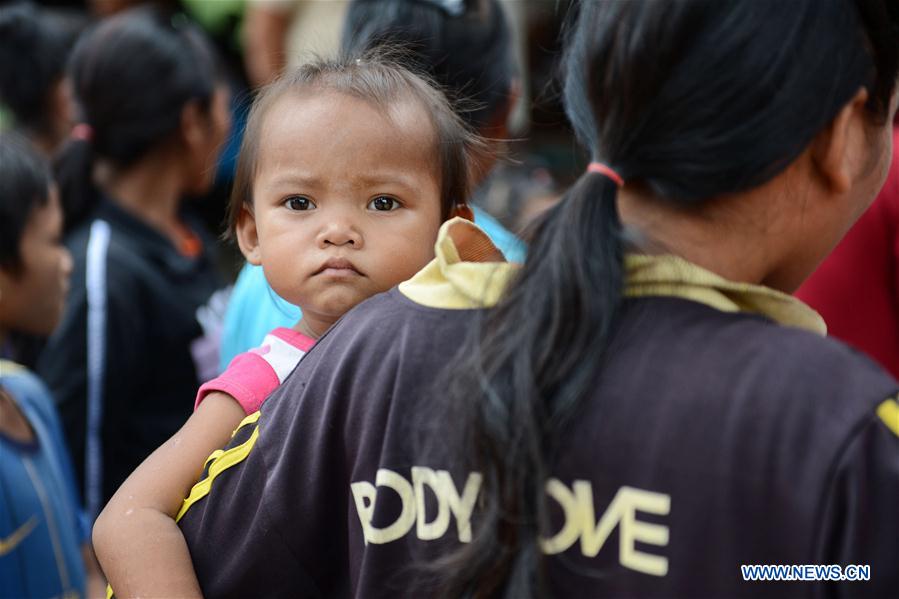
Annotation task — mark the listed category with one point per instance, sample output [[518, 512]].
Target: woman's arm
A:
[[136, 539]]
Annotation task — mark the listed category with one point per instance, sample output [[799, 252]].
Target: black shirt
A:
[[121, 364]]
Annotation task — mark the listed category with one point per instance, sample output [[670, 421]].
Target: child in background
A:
[[44, 536], [347, 171], [139, 332]]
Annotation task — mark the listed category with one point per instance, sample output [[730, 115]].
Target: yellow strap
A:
[[225, 460], [221, 461]]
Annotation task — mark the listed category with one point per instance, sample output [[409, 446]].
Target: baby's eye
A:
[[299, 203], [384, 204]]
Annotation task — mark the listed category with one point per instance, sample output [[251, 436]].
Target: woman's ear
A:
[[248, 237], [836, 150], [462, 209]]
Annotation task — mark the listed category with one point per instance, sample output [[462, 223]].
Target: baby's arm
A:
[[136, 539]]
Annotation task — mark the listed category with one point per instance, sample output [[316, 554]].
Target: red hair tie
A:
[[602, 169], [82, 131]]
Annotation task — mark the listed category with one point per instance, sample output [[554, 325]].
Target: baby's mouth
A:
[[338, 267]]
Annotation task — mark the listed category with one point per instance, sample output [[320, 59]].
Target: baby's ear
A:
[[248, 237]]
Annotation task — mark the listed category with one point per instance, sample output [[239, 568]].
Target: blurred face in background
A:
[[32, 296], [204, 133]]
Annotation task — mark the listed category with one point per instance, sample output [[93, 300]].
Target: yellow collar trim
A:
[[675, 277], [468, 271]]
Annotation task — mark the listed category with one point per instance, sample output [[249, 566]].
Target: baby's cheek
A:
[[285, 283], [402, 267]]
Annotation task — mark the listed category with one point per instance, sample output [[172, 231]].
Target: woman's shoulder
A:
[[791, 373], [815, 359], [766, 367]]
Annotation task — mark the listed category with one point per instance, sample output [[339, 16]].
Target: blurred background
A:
[[256, 39]]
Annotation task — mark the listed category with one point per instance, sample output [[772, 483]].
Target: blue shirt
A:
[[42, 527], [255, 309]]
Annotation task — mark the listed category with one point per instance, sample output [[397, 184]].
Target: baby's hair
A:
[[24, 187], [381, 81]]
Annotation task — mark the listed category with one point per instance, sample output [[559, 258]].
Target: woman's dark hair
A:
[[463, 45], [33, 52], [693, 100], [24, 186], [131, 75], [381, 82]]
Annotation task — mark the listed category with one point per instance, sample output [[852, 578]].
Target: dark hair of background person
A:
[[692, 100], [34, 47], [373, 78], [131, 75], [463, 45], [24, 186]]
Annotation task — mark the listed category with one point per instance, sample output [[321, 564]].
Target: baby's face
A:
[[346, 199]]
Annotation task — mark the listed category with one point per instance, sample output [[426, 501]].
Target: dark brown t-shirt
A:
[[712, 440]]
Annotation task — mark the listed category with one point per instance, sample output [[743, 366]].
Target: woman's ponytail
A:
[[519, 381]]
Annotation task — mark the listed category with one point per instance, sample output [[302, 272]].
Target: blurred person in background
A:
[[34, 47], [141, 326], [44, 535], [466, 48], [856, 288], [278, 33]]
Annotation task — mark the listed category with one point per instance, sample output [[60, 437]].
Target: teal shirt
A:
[[255, 309]]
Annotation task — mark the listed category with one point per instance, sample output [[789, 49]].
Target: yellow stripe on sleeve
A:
[[888, 411], [222, 462]]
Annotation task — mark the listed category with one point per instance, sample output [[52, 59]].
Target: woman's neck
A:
[[151, 190], [718, 238]]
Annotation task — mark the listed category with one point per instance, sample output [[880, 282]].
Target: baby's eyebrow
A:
[[289, 178], [395, 178]]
